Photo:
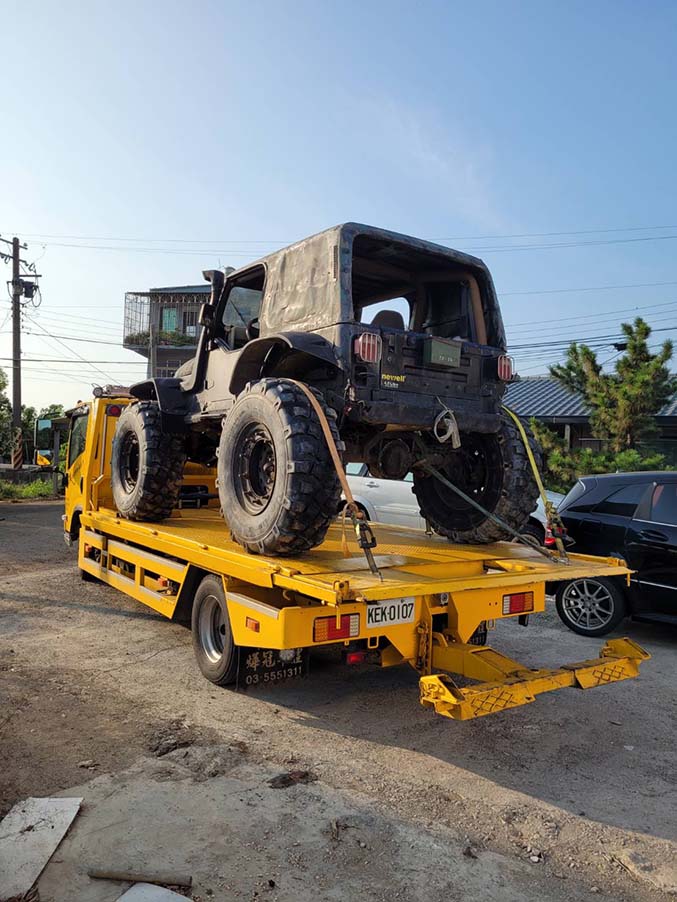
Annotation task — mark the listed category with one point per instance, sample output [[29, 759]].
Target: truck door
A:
[[77, 435], [652, 550]]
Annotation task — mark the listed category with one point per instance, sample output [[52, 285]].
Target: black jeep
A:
[[402, 342]]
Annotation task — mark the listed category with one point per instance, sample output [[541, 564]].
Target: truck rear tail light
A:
[[113, 410], [356, 657], [520, 603], [367, 347], [252, 624], [325, 628], [505, 368]]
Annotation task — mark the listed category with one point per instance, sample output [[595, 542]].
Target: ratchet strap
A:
[[553, 519], [363, 532]]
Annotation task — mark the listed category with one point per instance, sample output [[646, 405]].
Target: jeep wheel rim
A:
[[255, 468], [129, 462], [588, 604]]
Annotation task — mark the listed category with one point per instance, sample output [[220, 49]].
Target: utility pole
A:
[[26, 286], [17, 450]]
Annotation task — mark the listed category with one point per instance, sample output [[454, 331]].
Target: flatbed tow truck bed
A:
[[431, 609]]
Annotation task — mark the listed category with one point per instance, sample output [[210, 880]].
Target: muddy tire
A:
[[146, 464], [494, 470], [215, 651], [278, 487]]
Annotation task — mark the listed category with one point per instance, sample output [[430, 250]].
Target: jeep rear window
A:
[[405, 288]]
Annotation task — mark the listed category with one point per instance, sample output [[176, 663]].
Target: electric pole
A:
[[20, 286], [17, 455]]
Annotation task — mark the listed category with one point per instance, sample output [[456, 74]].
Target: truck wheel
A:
[[492, 469], [590, 607], [278, 487], [212, 636], [146, 464]]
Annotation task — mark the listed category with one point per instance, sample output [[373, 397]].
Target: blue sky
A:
[[239, 127]]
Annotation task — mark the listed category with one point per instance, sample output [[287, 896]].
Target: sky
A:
[[143, 143]]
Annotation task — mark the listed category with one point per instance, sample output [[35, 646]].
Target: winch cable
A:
[[552, 518], [363, 532]]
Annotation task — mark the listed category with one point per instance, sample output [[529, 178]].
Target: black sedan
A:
[[632, 516]]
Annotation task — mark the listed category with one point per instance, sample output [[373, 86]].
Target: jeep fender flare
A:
[[170, 399], [264, 356]]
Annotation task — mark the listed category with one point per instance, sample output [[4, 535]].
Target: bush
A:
[[10, 491]]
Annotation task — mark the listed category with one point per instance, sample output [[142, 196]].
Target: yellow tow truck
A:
[[255, 619]]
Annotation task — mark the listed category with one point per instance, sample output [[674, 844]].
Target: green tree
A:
[[623, 404], [51, 412], [5, 418]]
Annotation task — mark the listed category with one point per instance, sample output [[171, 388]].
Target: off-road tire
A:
[[151, 491], [285, 504], [215, 651], [504, 485]]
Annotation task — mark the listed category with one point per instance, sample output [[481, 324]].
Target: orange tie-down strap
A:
[[365, 537]]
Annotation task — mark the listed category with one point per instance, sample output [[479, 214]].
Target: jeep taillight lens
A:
[[367, 347], [505, 368]]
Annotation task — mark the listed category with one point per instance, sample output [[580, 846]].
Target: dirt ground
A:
[[571, 798]]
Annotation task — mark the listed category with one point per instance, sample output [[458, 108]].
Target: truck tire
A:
[[592, 606], [278, 487], [492, 469], [146, 464], [213, 644]]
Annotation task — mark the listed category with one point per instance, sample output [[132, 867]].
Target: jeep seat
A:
[[389, 319]]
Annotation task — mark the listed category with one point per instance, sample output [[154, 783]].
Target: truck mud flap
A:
[[510, 684]]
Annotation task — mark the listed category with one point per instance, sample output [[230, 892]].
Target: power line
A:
[[652, 319], [651, 228], [591, 339], [70, 350], [578, 317], [81, 360], [203, 252], [585, 288]]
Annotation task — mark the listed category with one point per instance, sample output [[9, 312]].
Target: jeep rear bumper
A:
[[419, 411]]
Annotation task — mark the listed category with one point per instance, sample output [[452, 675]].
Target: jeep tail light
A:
[[505, 368], [325, 628], [367, 347], [519, 603]]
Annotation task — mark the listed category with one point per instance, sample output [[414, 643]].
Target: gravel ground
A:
[[572, 797]]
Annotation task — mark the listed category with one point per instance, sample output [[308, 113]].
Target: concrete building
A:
[[162, 325]]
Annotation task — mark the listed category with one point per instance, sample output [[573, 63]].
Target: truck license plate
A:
[[392, 611]]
